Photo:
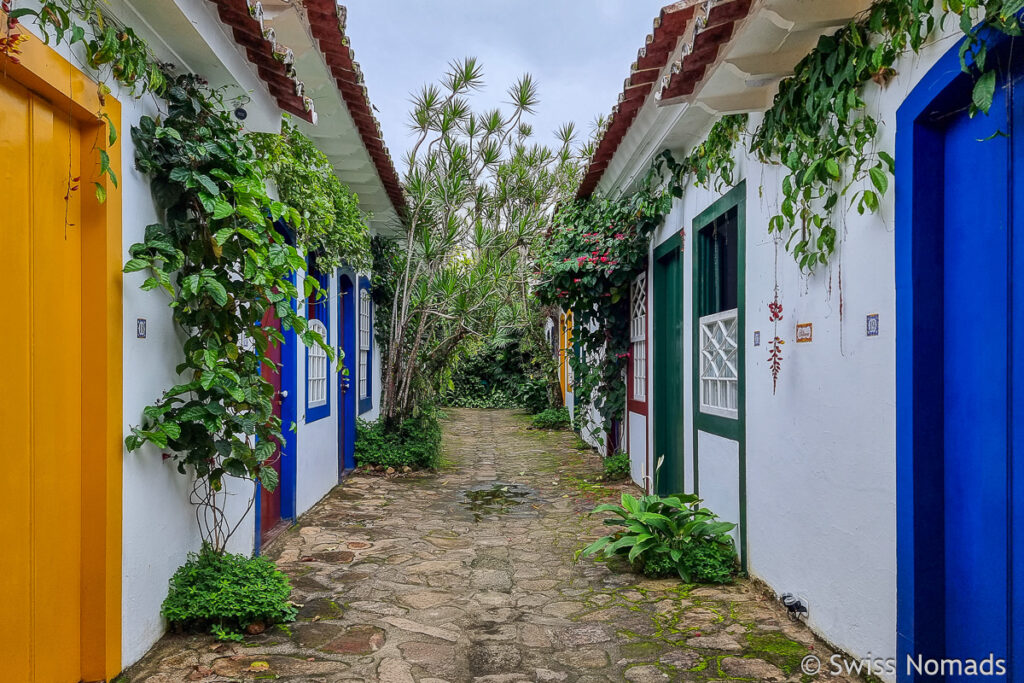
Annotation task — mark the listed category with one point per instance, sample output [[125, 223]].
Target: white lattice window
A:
[[316, 377], [719, 360], [638, 337], [364, 343]]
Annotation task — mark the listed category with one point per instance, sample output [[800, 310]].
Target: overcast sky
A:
[[578, 51]]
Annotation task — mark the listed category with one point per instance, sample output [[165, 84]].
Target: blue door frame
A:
[[289, 390], [347, 311], [954, 463], [289, 417]]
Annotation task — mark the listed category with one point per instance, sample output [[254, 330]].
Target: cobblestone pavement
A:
[[445, 577]]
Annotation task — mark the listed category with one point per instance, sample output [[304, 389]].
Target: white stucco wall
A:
[[159, 527], [637, 448], [316, 442], [719, 467], [820, 451]]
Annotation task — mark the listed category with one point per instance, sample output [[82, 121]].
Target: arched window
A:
[[316, 379], [318, 366]]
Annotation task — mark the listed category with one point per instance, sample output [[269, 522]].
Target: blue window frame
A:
[[365, 351], [318, 364]]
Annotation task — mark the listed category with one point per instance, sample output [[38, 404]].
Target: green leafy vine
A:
[[217, 252], [818, 127], [112, 51], [599, 245], [333, 226], [226, 267]]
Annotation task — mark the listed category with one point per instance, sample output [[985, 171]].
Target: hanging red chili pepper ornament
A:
[[775, 353]]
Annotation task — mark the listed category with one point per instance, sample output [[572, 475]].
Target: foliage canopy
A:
[[332, 224], [221, 257], [479, 195]]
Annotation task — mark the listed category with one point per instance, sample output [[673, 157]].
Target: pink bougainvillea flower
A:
[[604, 259]]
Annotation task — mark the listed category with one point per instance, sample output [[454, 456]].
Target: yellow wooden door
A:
[[561, 354], [569, 377], [41, 400]]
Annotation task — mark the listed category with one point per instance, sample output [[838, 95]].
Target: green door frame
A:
[[668, 400], [735, 430]]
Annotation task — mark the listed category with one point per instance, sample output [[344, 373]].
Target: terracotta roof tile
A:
[[273, 61], [327, 21], [713, 31], [651, 59]]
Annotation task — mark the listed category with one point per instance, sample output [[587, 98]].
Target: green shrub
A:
[[616, 466], [501, 373], [552, 418], [497, 398], [223, 594], [660, 536], [711, 561], [417, 443], [656, 565]]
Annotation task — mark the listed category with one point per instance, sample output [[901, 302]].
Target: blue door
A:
[[347, 403], [977, 383], [959, 408]]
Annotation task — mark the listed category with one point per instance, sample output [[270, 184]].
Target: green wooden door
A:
[[667, 323]]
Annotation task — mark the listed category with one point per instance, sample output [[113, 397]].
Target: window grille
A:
[[638, 337], [364, 343], [316, 382], [719, 379]]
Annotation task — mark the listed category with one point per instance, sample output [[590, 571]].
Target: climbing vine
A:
[[333, 226], [595, 250], [598, 246], [818, 127], [711, 164], [112, 51], [226, 267], [217, 251]]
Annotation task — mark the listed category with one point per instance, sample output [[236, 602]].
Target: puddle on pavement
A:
[[497, 499]]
